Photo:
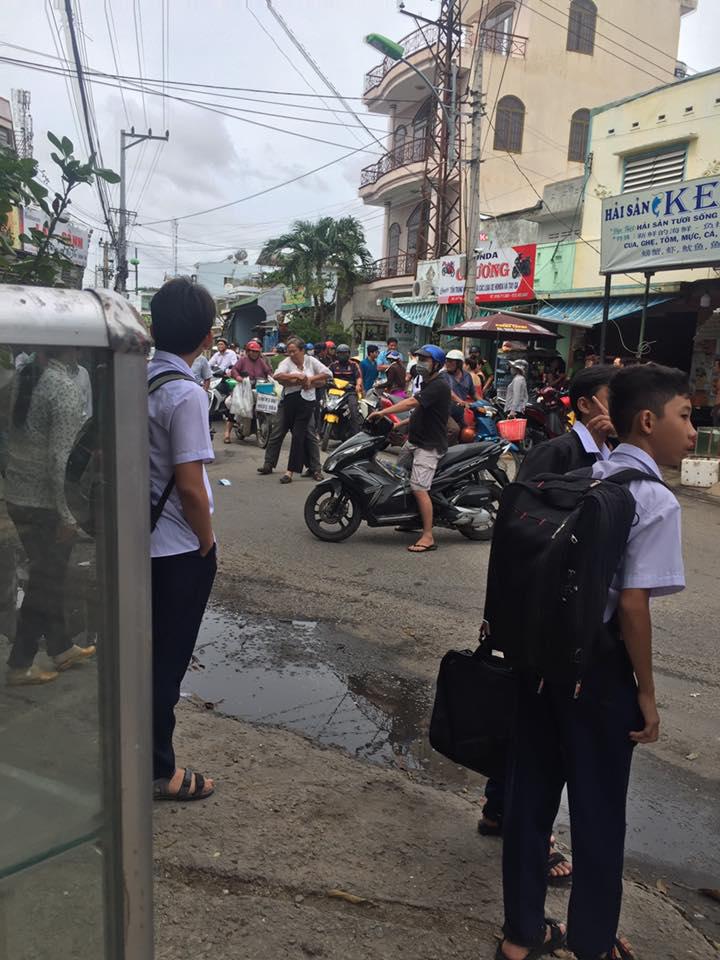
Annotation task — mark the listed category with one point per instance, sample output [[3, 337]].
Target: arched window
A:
[[400, 136], [581, 26], [509, 125], [393, 243], [497, 29], [416, 228], [579, 131], [421, 129]]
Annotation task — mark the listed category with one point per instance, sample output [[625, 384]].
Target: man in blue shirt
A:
[[383, 362], [369, 367]]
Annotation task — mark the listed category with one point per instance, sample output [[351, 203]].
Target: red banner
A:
[[505, 273]]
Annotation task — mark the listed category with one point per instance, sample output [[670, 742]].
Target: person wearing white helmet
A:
[[516, 398], [462, 387]]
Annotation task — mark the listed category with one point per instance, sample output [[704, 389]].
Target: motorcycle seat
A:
[[463, 451]]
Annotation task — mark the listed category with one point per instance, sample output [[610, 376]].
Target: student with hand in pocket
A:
[[183, 542]]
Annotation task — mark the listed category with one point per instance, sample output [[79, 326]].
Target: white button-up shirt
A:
[[311, 368], [223, 361], [179, 433], [653, 555]]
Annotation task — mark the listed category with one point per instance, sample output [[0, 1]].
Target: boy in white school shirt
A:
[[182, 543], [587, 742]]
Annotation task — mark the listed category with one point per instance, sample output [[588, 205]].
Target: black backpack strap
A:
[[632, 475], [165, 376]]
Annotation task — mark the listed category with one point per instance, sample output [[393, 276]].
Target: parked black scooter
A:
[[361, 487]]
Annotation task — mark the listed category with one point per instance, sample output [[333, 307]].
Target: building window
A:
[[400, 137], [393, 247], [658, 168], [579, 131], [581, 26], [6, 137], [509, 124], [497, 29], [416, 229], [421, 122]]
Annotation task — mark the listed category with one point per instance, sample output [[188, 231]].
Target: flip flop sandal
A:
[[421, 548], [486, 830], [286, 479], [161, 788], [227, 440], [555, 860], [556, 941]]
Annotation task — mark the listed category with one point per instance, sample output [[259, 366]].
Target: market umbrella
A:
[[501, 323]]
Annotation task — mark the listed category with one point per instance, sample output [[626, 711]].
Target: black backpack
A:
[[557, 544]]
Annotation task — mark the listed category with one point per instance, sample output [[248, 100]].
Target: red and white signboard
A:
[[505, 273], [450, 283]]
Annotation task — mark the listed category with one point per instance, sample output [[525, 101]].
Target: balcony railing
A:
[[403, 265], [412, 151], [506, 44], [493, 41], [417, 40]]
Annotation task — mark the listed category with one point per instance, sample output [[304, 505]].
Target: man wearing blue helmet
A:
[[427, 434]]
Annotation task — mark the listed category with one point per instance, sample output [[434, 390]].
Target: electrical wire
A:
[[670, 56], [110, 28], [57, 43], [140, 59], [86, 114], [502, 78]]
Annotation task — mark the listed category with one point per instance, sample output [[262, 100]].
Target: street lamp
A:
[[395, 51]]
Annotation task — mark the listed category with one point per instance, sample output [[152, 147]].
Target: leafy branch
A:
[[19, 188]]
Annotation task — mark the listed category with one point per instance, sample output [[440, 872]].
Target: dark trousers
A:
[[295, 415], [43, 607], [583, 742], [181, 586]]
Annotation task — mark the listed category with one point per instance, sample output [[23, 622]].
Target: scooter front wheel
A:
[[326, 434], [330, 517], [263, 430]]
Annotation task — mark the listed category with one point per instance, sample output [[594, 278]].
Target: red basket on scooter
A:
[[512, 430]]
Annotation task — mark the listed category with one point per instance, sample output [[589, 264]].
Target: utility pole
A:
[[175, 247], [473, 183], [127, 141], [135, 262], [105, 269]]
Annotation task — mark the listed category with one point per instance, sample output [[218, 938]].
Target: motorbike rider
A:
[[224, 357], [427, 437], [279, 355], [396, 374], [343, 368], [252, 365], [461, 384], [516, 398], [310, 349]]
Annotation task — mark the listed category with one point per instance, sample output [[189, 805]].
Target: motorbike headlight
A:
[[333, 403]]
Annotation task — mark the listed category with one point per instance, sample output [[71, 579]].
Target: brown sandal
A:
[[161, 788]]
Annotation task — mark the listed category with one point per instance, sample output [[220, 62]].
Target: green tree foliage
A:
[[19, 187], [327, 259]]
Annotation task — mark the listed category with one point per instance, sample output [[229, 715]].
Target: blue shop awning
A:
[[422, 313], [587, 313]]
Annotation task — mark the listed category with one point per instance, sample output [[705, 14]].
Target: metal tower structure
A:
[[441, 192], [22, 121]]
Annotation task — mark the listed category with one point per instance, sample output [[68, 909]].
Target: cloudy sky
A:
[[212, 158]]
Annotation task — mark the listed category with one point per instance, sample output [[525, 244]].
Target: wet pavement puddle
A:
[[289, 674], [277, 672]]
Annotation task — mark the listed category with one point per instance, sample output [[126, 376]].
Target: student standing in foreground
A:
[[183, 543], [582, 447], [587, 741], [427, 434]]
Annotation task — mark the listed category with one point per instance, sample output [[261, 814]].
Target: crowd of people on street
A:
[[629, 422]]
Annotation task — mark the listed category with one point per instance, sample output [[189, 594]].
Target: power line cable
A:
[[110, 28], [140, 60], [671, 56]]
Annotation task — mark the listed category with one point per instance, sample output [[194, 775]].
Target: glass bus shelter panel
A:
[[55, 908], [56, 623]]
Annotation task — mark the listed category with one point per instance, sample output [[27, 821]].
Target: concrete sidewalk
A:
[[271, 866]]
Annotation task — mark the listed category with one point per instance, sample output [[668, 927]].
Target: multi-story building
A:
[[545, 65], [7, 134]]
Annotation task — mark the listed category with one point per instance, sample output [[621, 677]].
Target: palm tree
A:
[[328, 256]]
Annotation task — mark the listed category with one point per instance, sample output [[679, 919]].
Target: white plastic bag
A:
[[240, 401]]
